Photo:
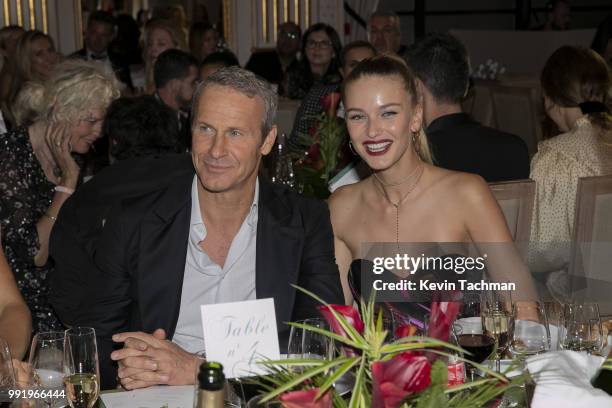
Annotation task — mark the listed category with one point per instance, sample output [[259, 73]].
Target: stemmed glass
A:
[[497, 315], [470, 334], [306, 343], [581, 328], [531, 333], [81, 366], [47, 363], [7, 375]]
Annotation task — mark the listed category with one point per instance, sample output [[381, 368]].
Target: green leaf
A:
[[343, 369], [358, 388], [303, 377]]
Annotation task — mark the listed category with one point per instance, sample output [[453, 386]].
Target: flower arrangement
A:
[[410, 372], [325, 147]]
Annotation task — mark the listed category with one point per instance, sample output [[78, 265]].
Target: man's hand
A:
[[150, 359]]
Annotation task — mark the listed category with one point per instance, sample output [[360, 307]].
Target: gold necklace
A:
[[417, 172], [397, 183]]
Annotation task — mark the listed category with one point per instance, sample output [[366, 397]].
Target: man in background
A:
[[457, 141], [558, 17], [384, 32], [272, 65], [175, 75]]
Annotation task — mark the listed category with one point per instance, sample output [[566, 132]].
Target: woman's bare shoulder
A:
[[464, 186], [347, 199]]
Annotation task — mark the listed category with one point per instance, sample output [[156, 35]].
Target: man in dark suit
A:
[[98, 36], [457, 141], [176, 75], [272, 65], [211, 232]]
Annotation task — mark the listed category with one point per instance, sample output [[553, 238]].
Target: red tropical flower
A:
[[329, 103], [306, 399], [350, 314], [394, 380], [441, 318], [406, 330]]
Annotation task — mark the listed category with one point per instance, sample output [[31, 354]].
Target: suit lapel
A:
[[280, 238], [163, 250]]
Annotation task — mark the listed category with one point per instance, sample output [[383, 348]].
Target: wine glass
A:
[[531, 333], [7, 375], [498, 321], [307, 343], [581, 328], [470, 335], [47, 363], [82, 370]]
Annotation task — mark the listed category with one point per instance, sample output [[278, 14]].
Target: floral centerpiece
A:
[[326, 149], [410, 372]]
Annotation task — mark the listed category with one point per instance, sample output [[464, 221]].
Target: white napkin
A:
[[563, 379]]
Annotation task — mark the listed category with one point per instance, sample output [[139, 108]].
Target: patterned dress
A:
[[556, 167], [25, 195]]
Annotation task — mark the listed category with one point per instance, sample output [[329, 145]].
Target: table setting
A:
[[488, 352]]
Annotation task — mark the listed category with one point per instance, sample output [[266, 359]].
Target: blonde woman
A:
[[159, 35], [38, 173]]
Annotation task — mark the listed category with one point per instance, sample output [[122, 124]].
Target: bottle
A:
[[211, 386], [603, 378]]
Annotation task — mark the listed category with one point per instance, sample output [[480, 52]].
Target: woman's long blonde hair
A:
[[176, 33], [391, 66]]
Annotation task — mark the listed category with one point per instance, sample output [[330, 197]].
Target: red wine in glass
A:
[[479, 345]]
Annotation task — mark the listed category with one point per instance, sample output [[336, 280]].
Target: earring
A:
[[352, 149], [415, 145]]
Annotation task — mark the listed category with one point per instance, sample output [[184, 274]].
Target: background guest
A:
[[311, 107], [29, 103], [35, 57], [558, 17], [140, 127], [176, 76], [602, 43], [126, 44], [9, 37], [458, 142], [273, 65], [319, 61], [203, 40], [575, 83], [101, 29], [39, 172], [15, 318], [214, 62], [385, 34], [159, 36]]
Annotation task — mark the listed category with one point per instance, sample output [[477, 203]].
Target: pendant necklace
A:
[[416, 175]]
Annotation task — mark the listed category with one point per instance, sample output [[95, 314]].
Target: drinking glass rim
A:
[[49, 335], [80, 331]]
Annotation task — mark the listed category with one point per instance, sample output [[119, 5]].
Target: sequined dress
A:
[[25, 195]]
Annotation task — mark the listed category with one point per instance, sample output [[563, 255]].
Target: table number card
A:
[[239, 334]]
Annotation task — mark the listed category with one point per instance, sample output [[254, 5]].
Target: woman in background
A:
[[159, 35], [203, 41], [575, 84], [319, 64], [38, 173]]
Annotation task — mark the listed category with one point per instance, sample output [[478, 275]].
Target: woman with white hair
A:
[[38, 173]]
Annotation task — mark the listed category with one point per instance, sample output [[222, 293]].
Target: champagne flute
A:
[[581, 328], [7, 375], [497, 316], [82, 370], [47, 362], [531, 334]]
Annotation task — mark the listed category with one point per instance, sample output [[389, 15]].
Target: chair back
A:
[[591, 256], [515, 111], [516, 201]]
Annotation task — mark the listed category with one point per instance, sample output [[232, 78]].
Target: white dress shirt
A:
[[205, 282]]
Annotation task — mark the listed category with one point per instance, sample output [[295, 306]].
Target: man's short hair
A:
[[353, 45], [172, 64], [220, 58], [247, 83], [441, 62], [139, 127], [100, 16], [385, 13]]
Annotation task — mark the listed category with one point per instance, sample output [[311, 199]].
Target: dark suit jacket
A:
[[460, 143], [267, 65], [136, 278], [121, 69]]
